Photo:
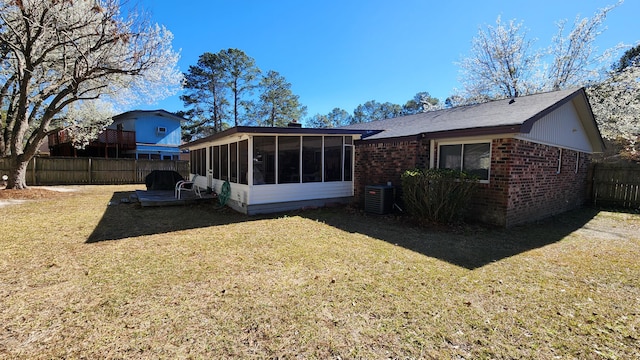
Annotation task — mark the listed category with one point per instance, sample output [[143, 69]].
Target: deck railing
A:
[[125, 140]]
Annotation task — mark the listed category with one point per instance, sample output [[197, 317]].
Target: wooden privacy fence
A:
[[75, 171], [616, 185]]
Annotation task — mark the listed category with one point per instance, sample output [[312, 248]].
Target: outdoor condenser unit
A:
[[378, 199]]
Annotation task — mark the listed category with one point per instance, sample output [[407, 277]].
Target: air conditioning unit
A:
[[378, 199]]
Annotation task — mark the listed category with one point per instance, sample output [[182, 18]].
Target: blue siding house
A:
[[157, 133]]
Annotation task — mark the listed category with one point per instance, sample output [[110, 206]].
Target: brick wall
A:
[[524, 183], [490, 201], [538, 186], [381, 162]]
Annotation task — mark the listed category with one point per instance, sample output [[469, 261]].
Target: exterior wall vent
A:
[[378, 199], [161, 130]]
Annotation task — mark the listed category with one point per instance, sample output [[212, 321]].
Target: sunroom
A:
[[276, 169]]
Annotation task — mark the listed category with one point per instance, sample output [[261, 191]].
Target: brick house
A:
[[531, 153]]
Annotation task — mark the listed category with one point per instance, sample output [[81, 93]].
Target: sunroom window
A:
[[264, 160], [311, 158], [301, 159], [473, 158], [333, 158], [288, 159]]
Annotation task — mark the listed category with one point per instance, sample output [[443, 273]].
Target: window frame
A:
[[348, 159], [198, 161], [215, 161], [286, 146], [312, 153], [243, 162], [333, 171], [264, 153], [224, 162], [233, 162], [462, 143], [264, 160]]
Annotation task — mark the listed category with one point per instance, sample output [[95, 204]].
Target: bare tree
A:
[[502, 63], [616, 105], [575, 60], [55, 54]]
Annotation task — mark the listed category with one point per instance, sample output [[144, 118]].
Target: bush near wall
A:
[[437, 195]]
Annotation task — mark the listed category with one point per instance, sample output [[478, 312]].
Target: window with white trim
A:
[[472, 158]]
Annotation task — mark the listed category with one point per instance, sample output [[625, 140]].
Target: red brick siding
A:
[[537, 189], [489, 203], [379, 163], [524, 184]]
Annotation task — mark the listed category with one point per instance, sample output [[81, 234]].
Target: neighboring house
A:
[[158, 133], [277, 169], [531, 154], [139, 134]]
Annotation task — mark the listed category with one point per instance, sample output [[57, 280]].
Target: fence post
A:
[[90, 169], [34, 179], [590, 180]]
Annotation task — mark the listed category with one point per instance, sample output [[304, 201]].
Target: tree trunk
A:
[[18, 173]]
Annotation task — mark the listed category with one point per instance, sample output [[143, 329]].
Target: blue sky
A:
[[342, 53]]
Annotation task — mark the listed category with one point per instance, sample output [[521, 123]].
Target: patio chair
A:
[[187, 185]]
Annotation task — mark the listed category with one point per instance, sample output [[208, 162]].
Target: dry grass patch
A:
[[195, 282], [14, 196]]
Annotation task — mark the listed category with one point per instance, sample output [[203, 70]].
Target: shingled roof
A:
[[494, 117], [159, 112]]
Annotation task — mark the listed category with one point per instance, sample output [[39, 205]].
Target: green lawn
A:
[[83, 279]]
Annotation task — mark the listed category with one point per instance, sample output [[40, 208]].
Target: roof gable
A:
[[561, 127]]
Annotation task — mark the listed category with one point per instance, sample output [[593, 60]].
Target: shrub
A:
[[437, 195]]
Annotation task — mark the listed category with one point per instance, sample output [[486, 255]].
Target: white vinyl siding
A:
[[561, 128], [266, 154], [265, 194]]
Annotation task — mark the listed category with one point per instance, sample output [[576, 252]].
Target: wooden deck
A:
[[167, 198]]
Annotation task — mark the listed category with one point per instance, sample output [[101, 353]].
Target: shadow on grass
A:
[[125, 220], [470, 247]]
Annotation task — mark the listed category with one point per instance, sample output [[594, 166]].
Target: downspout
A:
[[432, 151]]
